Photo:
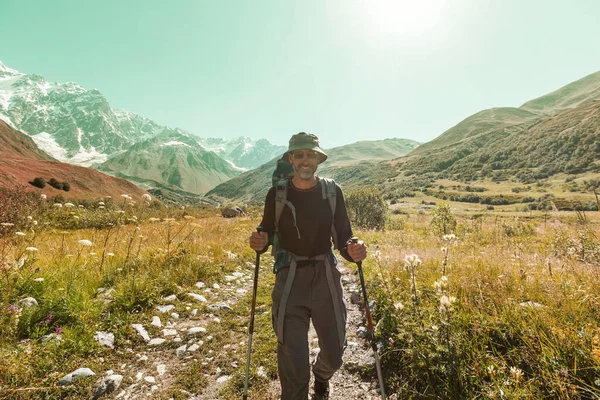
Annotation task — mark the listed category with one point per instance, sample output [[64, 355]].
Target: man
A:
[[308, 284]]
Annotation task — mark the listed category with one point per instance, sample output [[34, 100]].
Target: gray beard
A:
[[305, 175]]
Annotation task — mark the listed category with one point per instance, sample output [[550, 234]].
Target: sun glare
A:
[[410, 20]]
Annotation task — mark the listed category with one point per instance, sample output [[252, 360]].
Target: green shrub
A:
[[56, 184], [38, 182], [443, 221], [367, 209]]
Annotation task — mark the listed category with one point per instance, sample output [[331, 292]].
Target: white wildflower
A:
[[7, 224], [446, 302], [147, 197], [101, 203], [29, 217], [19, 234], [32, 249], [412, 259], [153, 219], [57, 205], [126, 196], [516, 373], [43, 196], [444, 249], [449, 237], [69, 205], [85, 243], [399, 306], [35, 222], [80, 206], [101, 208], [110, 254]]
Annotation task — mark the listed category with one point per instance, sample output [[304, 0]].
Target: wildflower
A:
[[29, 217], [188, 217], [153, 219], [147, 197], [446, 302], [412, 259], [110, 254], [92, 254], [58, 331], [32, 249], [57, 205], [449, 237], [108, 197], [7, 224], [19, 234], [131, 203], [444, 249], [120, 212], [101, 208], [100, 203], [80, 206], [13, 309], [75, 217], [230, 255], [516, 373], [399, 306], [43, 196], [69, 205], [85, 242], [491, 370], [126, 196], [35, 222]]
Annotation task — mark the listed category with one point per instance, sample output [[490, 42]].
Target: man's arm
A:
[[342, 224]]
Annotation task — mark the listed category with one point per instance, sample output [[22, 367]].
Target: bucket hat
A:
[[306, 141]]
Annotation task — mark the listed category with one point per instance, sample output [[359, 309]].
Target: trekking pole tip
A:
[[259, 228]]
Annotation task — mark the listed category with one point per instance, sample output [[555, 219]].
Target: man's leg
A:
[[331, 351], [293, 354]]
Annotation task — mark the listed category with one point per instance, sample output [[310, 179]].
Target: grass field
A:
[[506, 307]]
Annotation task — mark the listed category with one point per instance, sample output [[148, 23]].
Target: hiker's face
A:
[[305, 163]]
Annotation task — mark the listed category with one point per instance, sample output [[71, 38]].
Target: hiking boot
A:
[[321, 390]]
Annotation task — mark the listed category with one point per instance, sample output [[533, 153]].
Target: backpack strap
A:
[[281, 189], [329, 191]]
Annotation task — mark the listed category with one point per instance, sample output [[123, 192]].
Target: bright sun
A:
[[408, 19]]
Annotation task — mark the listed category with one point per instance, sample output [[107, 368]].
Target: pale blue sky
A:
[[346, 70]]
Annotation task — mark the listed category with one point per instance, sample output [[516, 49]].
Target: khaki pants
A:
[[309, 298]]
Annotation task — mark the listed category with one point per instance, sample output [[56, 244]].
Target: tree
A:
[[367, 209], [443, 221], [38, 182]]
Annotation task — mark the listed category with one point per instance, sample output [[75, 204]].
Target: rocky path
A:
[[178, 336]]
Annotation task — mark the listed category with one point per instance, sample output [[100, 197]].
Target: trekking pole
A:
[[251, 327], [370, 324]]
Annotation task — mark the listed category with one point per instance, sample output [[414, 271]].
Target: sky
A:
[[346, 70]]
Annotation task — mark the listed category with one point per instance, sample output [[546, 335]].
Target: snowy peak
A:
[[6, 72], [243, 151]]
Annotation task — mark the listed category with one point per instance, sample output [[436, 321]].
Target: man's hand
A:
[[357, 251], [259, 240]]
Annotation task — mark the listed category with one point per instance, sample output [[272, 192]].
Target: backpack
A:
[[281, 179]]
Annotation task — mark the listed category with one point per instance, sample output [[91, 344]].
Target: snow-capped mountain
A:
[[78, 126], [71, 123], [174, 160], [243, 151]]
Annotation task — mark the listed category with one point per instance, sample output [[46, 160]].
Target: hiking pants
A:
[[310, 297]]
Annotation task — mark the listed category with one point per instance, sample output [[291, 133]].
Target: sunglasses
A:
[[299, 155]]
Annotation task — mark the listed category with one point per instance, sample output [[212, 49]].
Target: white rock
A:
[[216, 286], [38, 280], [197, 297], [143, 358], [261, 371], [141, 331], [106, 339], [181, 350], [196, 330], [229, 278], [193, 347], [241, 291], [161, 369], [194, 312], [166, 308], [156, 321], [223, 379], [174, 315], [27, 302], [78, 373], [156, 342], [149, 379], [109, 372], [109, 385], [170, 298], [200, 285], [169, 332], [139, 376]]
